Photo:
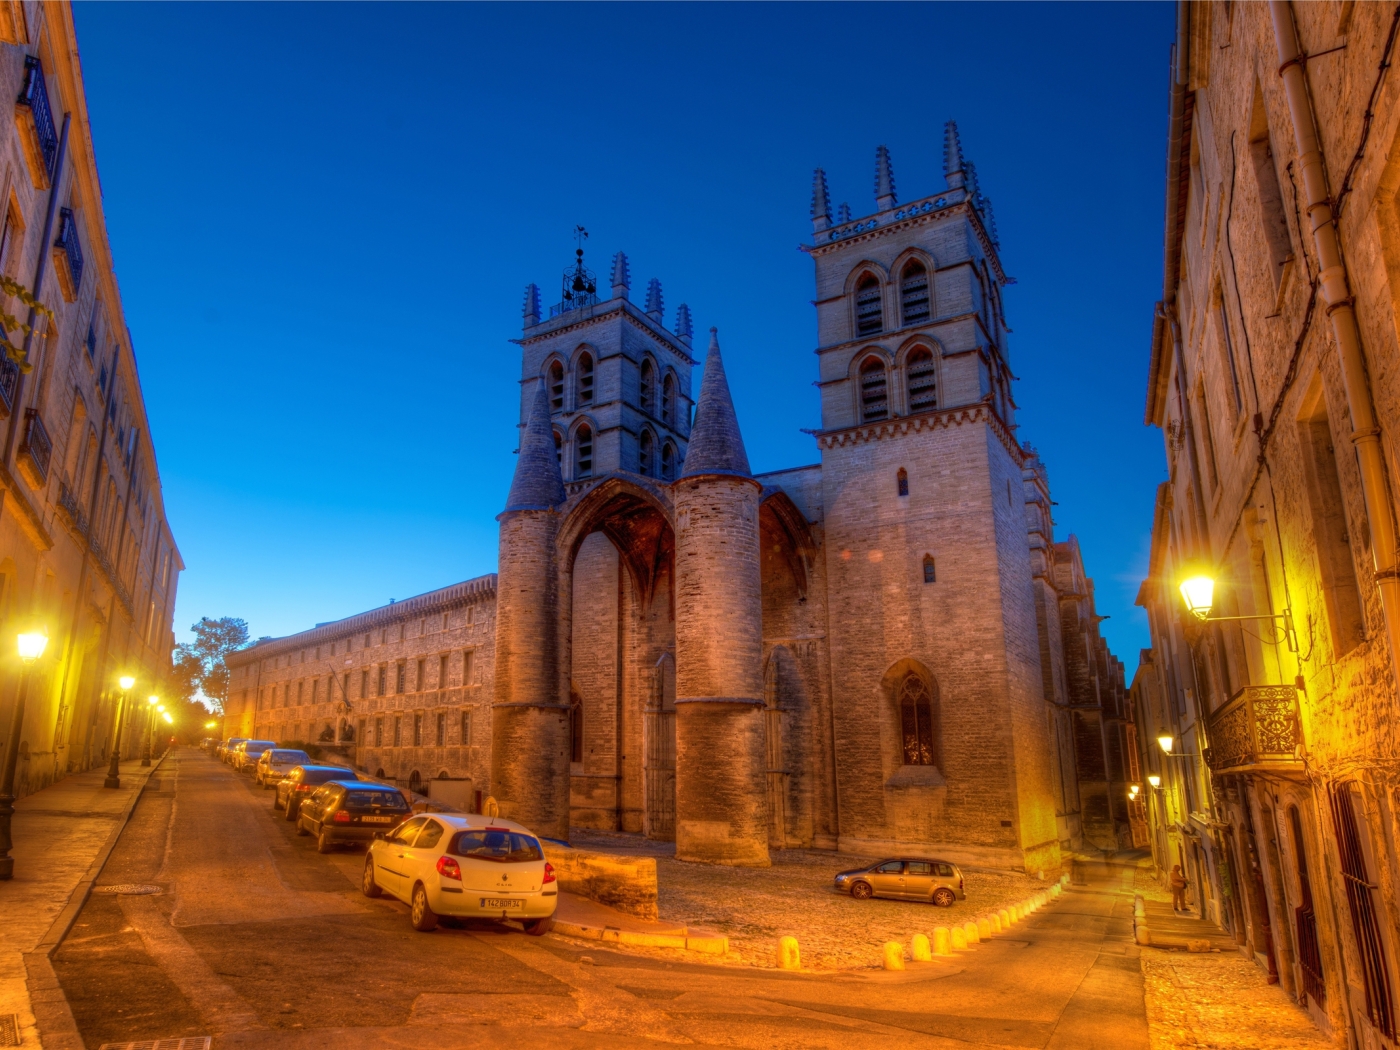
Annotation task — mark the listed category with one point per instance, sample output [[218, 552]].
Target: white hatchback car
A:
[[464, 866], [276, 762]]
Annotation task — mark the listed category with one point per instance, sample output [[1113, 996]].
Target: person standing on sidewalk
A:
[[1178, 883]]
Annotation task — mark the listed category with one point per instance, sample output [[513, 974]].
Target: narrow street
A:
[[257, 940]]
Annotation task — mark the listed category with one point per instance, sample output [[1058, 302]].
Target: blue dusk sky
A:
[[324, 216]]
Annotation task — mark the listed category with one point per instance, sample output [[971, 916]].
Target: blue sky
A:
[[323, 218]]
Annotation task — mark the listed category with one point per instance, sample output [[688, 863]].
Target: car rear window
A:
[[288, 756], [498, 844], [320, 776], [366, 799]]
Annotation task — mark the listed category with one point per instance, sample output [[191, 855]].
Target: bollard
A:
[[996, 922], [1139, 907], [959, 939], [894, 955], [1143, 936], [984, 929], [1064, 879], [919, 949], [1055, 891], [971, 932], [1005, 916], [789, 955], [942, 941]]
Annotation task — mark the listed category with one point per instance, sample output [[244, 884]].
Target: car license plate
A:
[[501, 903], [376, 820]]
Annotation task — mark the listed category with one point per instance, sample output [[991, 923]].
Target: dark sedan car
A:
[[909, 879], [301, 781], [350, 811]]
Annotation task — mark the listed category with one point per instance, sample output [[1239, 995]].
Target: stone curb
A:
[[709, 944], [53, 1018]]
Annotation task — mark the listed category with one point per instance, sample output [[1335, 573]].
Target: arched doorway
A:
[[660, 761], [615, 557]]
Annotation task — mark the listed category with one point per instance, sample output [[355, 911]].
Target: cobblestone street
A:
[[794, 897], [1220, 1001]]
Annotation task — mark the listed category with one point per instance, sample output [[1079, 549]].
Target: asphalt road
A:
[[257, 940]]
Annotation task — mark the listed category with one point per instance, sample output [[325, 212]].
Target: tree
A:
[[199, 665]]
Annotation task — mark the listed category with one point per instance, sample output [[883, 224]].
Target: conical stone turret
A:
[[721, 762], [529, 724]]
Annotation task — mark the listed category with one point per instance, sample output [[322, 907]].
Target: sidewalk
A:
[[62, 836]]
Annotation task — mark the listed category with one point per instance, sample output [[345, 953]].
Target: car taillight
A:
[[303, 787], [548, 872], [960, 882], [341, 817], [448, 869]]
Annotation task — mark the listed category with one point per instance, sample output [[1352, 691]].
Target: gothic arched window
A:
[[902, 482], [916, 722], [559, 449], [668, 462], [648, 453], [874, 390], [923, 383], [668, 400], [913, 293], [583, 452], [585, 379], [869, 308], [648, 387], [930, 576], [556, 387]]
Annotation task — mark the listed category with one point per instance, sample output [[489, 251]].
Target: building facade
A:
[[884, 649], [1275, 379], [86, 554]]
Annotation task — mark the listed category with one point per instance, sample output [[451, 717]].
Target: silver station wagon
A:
[[908, 879]]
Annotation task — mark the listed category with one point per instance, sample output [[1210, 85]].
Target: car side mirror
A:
[[379, 835]]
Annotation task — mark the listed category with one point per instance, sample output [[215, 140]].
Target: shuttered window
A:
[[869, 309], [923, 383], [913, 294], [874, 390]]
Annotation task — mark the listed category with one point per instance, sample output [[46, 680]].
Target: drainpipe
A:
[[1366, 435]]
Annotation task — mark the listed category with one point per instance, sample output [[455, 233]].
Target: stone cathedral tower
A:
[[845, 654]]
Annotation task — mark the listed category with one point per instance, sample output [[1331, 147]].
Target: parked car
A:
[[246, 755], [208, 744], [349, 810], [464, 865], [226, 748], [275, 763], [302, 781], [907, 879]]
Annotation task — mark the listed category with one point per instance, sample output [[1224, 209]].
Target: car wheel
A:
[[861, 891], [944, 897], [277, 801], [538, 927], [323, 843], [368, 886], [423, 917], [291, 810], [301, 828]]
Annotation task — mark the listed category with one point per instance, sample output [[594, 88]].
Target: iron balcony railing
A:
[[36, 444], [9, 383], [68, 241], [35, 95], [68, 503], [1257, 729]]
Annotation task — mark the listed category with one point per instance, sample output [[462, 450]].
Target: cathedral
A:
[[882, 651]]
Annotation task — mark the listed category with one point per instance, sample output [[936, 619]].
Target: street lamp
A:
[[1198, 592], [1165, 741], [151, 702], [114, 779], [31, 647], [1154, 780]]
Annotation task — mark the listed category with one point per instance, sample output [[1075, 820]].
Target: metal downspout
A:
[[1366, 435]]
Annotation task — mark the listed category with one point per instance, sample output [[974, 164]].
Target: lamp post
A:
[[31, 647], [114, 779], [151, 702]]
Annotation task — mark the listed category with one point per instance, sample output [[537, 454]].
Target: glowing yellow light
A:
[[1165, 740], [210, 725], [1199, 595], [152, 699], [1154, 780], [31, 645], [126, 681], [169, 717]]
